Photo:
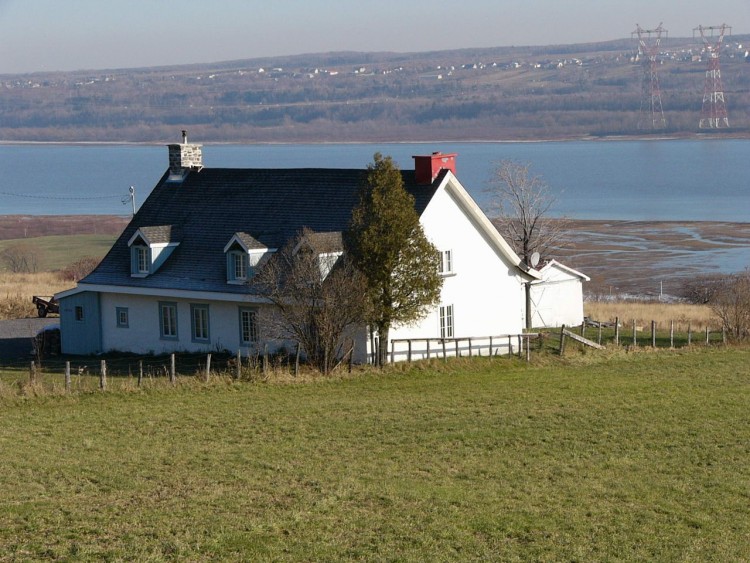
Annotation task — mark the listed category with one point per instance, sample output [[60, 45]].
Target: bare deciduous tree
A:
[[21, 257], [522, 202], [317, 295], [731, 303]]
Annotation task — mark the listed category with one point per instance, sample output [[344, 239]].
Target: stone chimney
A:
[[184, 157], [427, 168]]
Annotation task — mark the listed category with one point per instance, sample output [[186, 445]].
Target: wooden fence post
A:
[[428, 348], [351, 356], [528, 349], [599, 338], [562, 340], [208, 366], [32, 372], [455, 341], [635, 340], [67, 376], [103, 376], [238, 367], [265, 360], [653, 334], [520, 346], [393, 350], [471, 352], [583, 328], [617, 331], [671, 334], [490, 348], [724, 335], [172, 369], [690, 334], [445, 356], [140, 372], [510, 346], [296, 361], [707, 335], [408, 354]]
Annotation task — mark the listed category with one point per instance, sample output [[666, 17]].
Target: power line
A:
[[63, 198]]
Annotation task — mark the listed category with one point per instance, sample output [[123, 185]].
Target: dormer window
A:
[[237, 266], [243, 253], [149, 249], [141, 260]]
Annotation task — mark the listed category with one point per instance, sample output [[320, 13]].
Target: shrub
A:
[[79, 269]]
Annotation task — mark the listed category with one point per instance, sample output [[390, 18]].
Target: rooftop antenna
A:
[[649, 42], [714, 111]]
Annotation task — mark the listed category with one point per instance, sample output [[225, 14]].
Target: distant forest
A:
[[511, 93]]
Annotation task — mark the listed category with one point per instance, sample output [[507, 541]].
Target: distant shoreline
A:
[[586, 138]]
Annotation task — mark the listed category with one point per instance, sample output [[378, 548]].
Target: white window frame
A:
[[238, 266], [141, 260], [447, 321], [248, 327], [446, 263], [168, 320], [200, 322]]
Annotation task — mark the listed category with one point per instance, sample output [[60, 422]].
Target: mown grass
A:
[[614, 456], [57, 251]]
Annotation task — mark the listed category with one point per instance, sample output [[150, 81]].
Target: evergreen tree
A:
[[387, 244]]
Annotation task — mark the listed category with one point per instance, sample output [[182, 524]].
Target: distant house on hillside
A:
[[557, 298], [177, 277]]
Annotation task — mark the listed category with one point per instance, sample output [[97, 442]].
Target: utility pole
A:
[[130, 197]]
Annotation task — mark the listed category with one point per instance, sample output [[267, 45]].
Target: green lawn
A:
[[56, 252], [642, 456]]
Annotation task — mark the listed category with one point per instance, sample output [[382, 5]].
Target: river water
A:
[[688, 180]]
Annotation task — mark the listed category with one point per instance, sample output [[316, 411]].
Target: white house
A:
[[557, 298], [176, 279]]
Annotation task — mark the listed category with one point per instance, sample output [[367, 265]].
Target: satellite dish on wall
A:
[[534, 259]]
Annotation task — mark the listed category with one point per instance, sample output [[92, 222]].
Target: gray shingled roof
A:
[[249, 241], [160, 234], [270, 206]]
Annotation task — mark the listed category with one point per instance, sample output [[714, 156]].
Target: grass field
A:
[[56, 252], [605, 456]]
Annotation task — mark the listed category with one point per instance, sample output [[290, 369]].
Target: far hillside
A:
[[551, 92]]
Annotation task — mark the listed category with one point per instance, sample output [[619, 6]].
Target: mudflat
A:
[[620, 257], [646, 257]]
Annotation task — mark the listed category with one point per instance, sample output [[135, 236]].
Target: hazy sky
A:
[[43, 35]]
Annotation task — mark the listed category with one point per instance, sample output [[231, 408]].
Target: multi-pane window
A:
[[446, 262], [446, 321], [236, 266], [200, 322], [140, 259], [79, 313], [122, 317], [248, 326], [168, 319]]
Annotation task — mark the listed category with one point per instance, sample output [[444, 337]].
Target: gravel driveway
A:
[[16, 335]]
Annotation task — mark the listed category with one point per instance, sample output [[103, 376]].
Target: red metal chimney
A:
[[426, 168]]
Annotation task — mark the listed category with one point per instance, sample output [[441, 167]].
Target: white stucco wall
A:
[[485, 290], [142, 335], [557, 299]]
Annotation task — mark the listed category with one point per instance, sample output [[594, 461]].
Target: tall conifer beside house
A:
[[177, 278], [388, 245]]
